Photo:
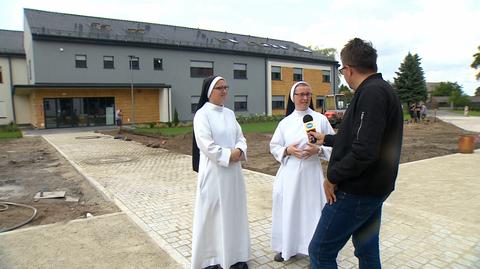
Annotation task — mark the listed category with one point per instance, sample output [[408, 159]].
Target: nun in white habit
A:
[[221, 237], [298, 196]]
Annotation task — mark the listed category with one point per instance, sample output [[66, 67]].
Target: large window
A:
[[194, 102], [80, 61], [326, 76], [157, 64], [297, 74], [108, 62], [134, 63], [78, 112], [240, 103], [276, 73], [240, 71], [278, 102], [201, 69]]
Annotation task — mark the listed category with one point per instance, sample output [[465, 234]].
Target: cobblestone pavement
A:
[[430, 221]]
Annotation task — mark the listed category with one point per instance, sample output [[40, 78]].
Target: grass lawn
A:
[[7, 134], [470, 113], [261, 127]]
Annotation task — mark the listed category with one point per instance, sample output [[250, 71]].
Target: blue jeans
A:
[[351, 215]]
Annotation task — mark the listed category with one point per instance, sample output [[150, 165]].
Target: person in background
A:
[[118, 117], [423, 111], [364, 163], [298, 196], [221, 237], [412, 113]]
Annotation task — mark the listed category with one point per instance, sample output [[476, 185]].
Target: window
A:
[[240, 71], [319, 103], [201, 69], [194, 102], [240, 103], [297, 74], [80, 61], [157, 64], [108, 62], [276, 73], [326, 76], [134, 63], [1, 75], [278, 102]]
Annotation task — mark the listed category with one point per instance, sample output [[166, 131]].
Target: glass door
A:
[[65, 112]]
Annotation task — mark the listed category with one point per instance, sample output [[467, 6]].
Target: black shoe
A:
[[239, 265], [278, 257], [216, 266]]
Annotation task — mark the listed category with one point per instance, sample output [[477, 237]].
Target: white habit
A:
[[298, 196], [220, 224]]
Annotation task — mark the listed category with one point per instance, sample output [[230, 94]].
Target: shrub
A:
[[175, 118]]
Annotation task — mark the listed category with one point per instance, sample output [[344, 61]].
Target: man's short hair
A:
[[360, 55]]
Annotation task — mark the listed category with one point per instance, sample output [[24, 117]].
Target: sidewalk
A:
[[430, 221], [470, 123]]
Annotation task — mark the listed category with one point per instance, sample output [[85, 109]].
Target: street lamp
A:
[[131, 57]]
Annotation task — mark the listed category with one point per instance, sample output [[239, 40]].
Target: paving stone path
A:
[[432, 220]]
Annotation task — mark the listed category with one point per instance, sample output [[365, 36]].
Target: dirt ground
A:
[[428, 139], [30, 165]]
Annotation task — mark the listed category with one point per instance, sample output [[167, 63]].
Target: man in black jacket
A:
[[364, 163]]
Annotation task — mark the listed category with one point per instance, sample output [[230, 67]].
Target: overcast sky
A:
[[443, 33]]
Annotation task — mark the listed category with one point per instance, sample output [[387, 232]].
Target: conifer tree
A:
[[410, 83]]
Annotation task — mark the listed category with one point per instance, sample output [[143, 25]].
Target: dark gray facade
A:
[[54, 40]]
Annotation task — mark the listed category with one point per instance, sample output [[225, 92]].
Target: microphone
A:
[[309, 126]]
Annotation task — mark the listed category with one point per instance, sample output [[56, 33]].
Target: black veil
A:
[[201, 102]]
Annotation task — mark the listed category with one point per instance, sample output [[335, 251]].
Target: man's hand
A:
[[319, 136], [329, 189]]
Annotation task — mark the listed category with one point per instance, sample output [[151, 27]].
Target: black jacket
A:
[[366, 149]]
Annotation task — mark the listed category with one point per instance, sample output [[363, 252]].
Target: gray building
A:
[[12, 71], [81, 69]]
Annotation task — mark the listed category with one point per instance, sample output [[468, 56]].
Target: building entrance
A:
[[79, 112]]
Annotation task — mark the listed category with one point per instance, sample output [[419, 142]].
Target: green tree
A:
[[477, 92], [329, 52], [459, 99], [345, 90], [476, 62], [447, 89], [410, 83]]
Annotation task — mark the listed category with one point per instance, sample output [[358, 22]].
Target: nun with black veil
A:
[[221, 237]]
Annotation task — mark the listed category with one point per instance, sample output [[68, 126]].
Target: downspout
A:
[[12, 89], [266, 87], [169, 98]]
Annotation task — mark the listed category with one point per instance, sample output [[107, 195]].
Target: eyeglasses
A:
[[225, 88], [304, 95], [343, 68]]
